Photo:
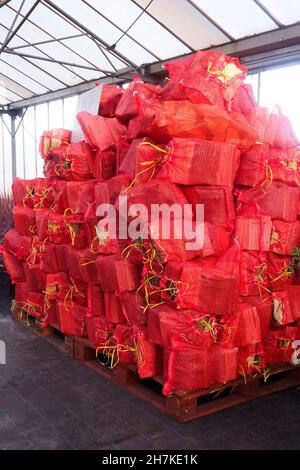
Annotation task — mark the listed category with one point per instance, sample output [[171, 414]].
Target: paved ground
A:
[[49, 401]]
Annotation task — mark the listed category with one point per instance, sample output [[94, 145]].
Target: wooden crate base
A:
[[186, 406], [180, 405]]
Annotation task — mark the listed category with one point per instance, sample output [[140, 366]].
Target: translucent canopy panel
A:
[[184, 20], [285, 11], [62, 43], [239, 18]]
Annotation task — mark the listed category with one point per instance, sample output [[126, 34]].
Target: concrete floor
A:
[[49, 401]]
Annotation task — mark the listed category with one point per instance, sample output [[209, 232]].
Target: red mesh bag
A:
[[35, 278], [53, 139], [143, 161], [105, 165], [284, 236], [61, 256], [61, 202], [187, 367], [223, 365], [253, 274], [35, 305], [21, 292], [107, 192], [282, 309], [81, 265], [99, 239], [253, 233], [53, 166], [95, 301], [57, 285], [279, 201], [196, 328], [76, 228], [117, 274], [154, 321], [99, 331], [100, 133], [218, 203], [279, 272], [279, 344], [80, 195], [125, 347], [210, 289], [57, 231], [279, 132], [253, 169], [113, 308], [77, 163], [50, 314], [155, 192], [48, 259], [243, 100], [41, 221], [121, 151], [132, 305], [77, 293], [218, 291], [285, 165], [109, 99], [144, 123], [128, 105], [23, 192], [187, 120], [252, 360], [294, 299], [194, 161], [25, 221], [242, 328], [173, 248], [265, 312], [17, 244], [148, 355], [150, 288], [13, 266], [34, 193], [172, 91], [71, 321], [209, 77]]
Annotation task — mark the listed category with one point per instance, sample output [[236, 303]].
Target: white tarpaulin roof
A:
[[49, 45]]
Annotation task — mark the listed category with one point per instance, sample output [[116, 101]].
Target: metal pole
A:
[[13, 118]]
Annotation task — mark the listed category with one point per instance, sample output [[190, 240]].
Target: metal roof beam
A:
[[56, 61], [209, 18], [122, 30], [33, 44], [268, 13], [51, 36], [117, 54], [165, 27], [7, 41], [3, 3], [260, 43], [122, 76]]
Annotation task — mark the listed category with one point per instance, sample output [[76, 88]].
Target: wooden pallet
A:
[[186, 406], [50, 332], [182, 406]]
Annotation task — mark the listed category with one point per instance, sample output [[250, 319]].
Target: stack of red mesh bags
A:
[[197, 317]]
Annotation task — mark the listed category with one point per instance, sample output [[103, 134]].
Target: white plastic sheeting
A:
[[118, 33]]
